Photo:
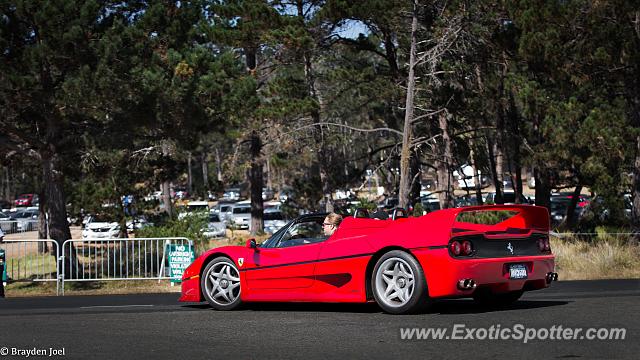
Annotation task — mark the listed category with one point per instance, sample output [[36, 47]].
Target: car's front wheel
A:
[[399, 284], [220, 284]]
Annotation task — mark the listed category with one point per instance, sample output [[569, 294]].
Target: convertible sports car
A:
[[490, 253]]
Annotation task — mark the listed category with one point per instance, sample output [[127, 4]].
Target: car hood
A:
[[101, 225]]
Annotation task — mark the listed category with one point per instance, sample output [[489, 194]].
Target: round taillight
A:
[[467, 247], [541, 245], [455, 248]]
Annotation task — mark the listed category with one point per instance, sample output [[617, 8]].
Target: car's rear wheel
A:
[[220, 284], [489, 299], [398, 283]]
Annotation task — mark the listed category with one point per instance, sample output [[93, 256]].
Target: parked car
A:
[[100, 227], [231, 194], [26, 220], [267, 194], [215, 227], [194, 207], [181, 194], [240, 216], [465, 201], [430, 203], [299, 263], [26, 200], [285, 194], [8, 224], [223, 209], [560, 204]]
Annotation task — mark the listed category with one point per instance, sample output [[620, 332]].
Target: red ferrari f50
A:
[[402, 263]]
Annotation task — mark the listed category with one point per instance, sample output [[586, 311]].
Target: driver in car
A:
[[331, 223]]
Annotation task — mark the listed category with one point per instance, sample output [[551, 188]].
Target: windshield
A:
[[242, 210], [273, 240], [214, 218]]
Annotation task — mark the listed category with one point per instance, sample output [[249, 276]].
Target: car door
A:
[[289, 260]]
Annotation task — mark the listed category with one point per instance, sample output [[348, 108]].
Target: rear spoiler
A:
[[526, 218]]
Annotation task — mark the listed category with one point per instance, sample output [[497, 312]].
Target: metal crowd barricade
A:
[[19, 226], [117, 259], [9, 226], [32, 260]]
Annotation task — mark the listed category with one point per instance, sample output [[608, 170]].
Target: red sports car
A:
[[490, 253]]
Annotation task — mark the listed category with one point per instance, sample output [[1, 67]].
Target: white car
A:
[[215, 228], [194, 207], [240, 216], [231, 194], [223, 210], [101, 230]]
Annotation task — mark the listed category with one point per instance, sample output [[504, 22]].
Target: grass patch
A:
[[598, 256], [31, 267]]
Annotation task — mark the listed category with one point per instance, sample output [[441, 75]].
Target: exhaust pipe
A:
[[551, 276], [466, 284]]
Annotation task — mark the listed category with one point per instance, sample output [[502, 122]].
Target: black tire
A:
[[418, 298], [489, 299], [220, 276]]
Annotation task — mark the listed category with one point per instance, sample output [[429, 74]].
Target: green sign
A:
[[180, 257]]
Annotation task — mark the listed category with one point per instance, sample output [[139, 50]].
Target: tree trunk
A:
[[43, 231], [205, 171], [218, 165], [445, 180], [166, 188], [477, 178], [256, 182], [543, 186], [571, 209], [267, 165], [405, 155], [515, 141], [416, 181], [53, 181], [189, 174]]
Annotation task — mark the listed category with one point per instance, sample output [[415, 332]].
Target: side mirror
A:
[[251, 244]]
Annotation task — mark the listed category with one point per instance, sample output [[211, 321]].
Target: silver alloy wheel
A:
[[222, 283], [395, 282]]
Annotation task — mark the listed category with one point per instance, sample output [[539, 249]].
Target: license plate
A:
[[517, 271]]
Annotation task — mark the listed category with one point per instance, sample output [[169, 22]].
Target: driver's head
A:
[[331, 223]]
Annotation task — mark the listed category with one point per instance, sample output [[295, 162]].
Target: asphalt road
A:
[[157, 326]]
